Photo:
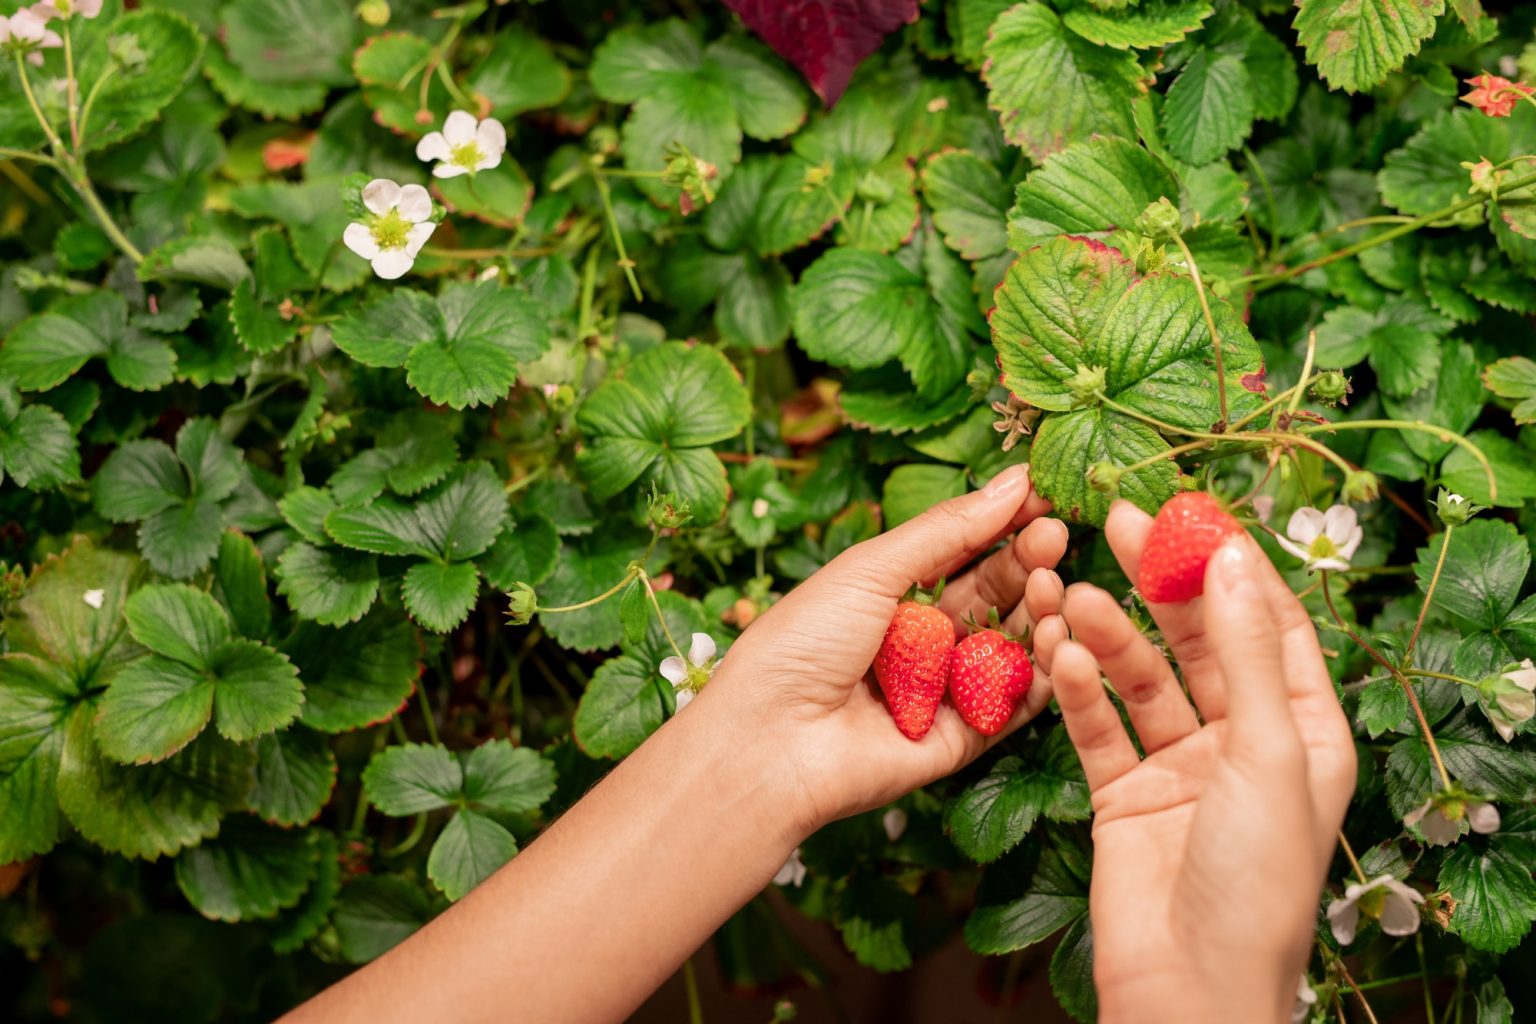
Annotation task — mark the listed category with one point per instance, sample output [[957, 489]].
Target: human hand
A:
[[1210, 852], [799, 674]]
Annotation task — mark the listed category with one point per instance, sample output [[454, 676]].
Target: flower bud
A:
[[1086, 384], [374, 12], [1160, 220], [1332, 388], [522, 602], [668, 511], [1453, 509], [1361, 485], [1105, 477]]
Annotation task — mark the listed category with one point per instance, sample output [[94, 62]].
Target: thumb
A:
[[945, 537]]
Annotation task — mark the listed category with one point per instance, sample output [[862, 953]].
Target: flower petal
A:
[[894, 821], [1343, 917], [492, 137], [492, 161], [380, 195], [433, 147], [1305, 524], [684, 698], [1335, 564], [392, 264], [448, 170], [459, 128], [1339, 522], [673, 670], [415, 203], [95, 598], [701, 649], [417, 237], [360, 240], [1299, 550], [1483, 817], [1400, 915]]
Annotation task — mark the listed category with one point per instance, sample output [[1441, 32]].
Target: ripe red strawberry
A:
[[1185, 534], [911, 662], [989, 673]]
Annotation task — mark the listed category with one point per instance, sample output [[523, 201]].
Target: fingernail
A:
[[1232, 566], [1006, 482]]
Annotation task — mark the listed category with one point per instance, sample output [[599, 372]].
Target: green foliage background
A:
[[260, 712]]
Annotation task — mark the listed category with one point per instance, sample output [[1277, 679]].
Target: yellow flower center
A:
[[390, 230], [1322, 546], [467, 156]]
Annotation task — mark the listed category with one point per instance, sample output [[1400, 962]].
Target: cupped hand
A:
[[1211, 850], [801, 671]]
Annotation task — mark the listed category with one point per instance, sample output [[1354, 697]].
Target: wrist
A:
[[1194, 996]]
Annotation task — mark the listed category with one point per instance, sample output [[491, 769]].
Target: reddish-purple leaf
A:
[[825, 39]]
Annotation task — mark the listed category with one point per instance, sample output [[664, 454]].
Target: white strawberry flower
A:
[[1437, 826], [1306, 1001], [66, 9], [464, 146], [399, 224], [1263, 507], [25, 32], [1324, 540], [1509, 699], [1386, 899], [688, 675], [1483, 817], [95, 598], [894, 821], [793, 871]]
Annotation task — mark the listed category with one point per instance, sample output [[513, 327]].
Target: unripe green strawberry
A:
[[989, 673], [910, 665], [1185, 534]]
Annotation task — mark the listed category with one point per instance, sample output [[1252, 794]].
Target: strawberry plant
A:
[[404, 405]]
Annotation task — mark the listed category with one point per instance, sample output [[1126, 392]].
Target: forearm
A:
[[594, 915]]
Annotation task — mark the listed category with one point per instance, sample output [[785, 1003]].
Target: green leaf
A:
[[291, 41], [885, 400], [295, 773], [46, 350], [992, 816], [1071, 972], [201, 259], [240, 584], [358, 675], [1511, 464], [1483, 571], [462, 349], [154, 810], [969, 199], [524, 552], [1210, 107], [499, 196], [1475, 756], [913, 489], [1014, 911], [457, 519], [303, 921], [1087, 188], [440, 595], [625, 701], [36, 701], [704, 98], [128, 100], [269, 99], [391, 68], [54, 621], [467, 852], [315, 217], [652, 421], [862, 309], [1514, 378], [153, 709], [1494, 893], [519, 73], [250, 871], [179, 622], [1148, 24], [1452, 401], [411, 778], [1075, 304], [412, 454], [376, 913], [1401, 340], [332, 586], [1356, 44], [501, 778], [1426, 175], [1051, 86], [37, 448], [875, 917], [970, 22], [634, 611]]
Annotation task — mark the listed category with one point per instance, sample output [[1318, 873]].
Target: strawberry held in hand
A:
[[911, 662], [1185, 534], [989, 673]]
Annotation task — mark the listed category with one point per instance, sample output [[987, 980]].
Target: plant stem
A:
[[426, 703], [108, 225], [71, 86], [90, 99], [1429, 596], [1429, 1000], [1413, 698], [691, 982], [1354, 861], [1306, 371], [406, 845], [625, 262], [1427, 674], [1263, 282], [1365, 1005], [795, 465], [1441, 434], [665, 629], [1269, 197], [1210, 325], [599, 599], [37, 111], [1171, 453]]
